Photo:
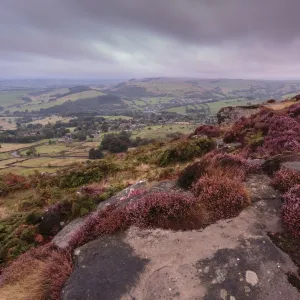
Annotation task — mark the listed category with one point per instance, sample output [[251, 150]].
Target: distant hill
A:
[[97, 104]]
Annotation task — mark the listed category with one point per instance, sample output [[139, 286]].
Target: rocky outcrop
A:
[[121, 199], [228, 115], [231, 259]]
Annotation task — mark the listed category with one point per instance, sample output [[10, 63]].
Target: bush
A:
[[184, 150], [209, 130], [173, 210], [165, 210], [75, 175], [11, 183], [291, 211], [191, 173], [223, 197], [95, 154], [285, 179]]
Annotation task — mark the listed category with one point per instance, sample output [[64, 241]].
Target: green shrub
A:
[[191, 174], [184, 150]]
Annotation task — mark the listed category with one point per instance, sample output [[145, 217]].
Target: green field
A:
[[140, 103], [8, 98], [156, 100], [5, 162], [161, 131], [116, 117], [51, 120], [290, 95], [37, 105], [179, 109], [214, 107], [48, 149]]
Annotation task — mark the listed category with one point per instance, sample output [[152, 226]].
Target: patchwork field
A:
[[7, 123], [51, 120], [9, 98], [161, 131]]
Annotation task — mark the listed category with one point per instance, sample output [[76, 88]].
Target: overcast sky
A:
[[144, 38]]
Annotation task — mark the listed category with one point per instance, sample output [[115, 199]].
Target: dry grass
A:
[[3, 212], [280, 105], [12, 147], [51, 120], [6, 125], [28, 287]]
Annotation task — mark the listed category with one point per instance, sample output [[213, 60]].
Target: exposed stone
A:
[[51, 222], [256, 162], [123, 196], [292, 166], [121, 199], [164, 264], [259, 188], [228, 115], [63, 238], [251, 278]]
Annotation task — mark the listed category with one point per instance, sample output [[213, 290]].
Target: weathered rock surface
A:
[[232, 259], [292, 165], [228, 115], [288, 160], [63, 238], [259, 188], [121, 199]]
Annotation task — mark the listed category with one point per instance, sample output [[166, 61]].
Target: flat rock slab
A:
[[259, 188], [121, 199], [231, 260], [292, 166], [106, 269]]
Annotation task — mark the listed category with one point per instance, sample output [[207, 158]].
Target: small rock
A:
[[223, 294], [251, 278]]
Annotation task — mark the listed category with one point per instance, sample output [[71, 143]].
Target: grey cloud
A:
[[141, 37]]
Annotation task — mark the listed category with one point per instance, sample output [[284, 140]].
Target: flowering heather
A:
[[294, 110], [175, 210], [108, 221], [223, 197], [163, 210], [285, 179], [208, 130], [279, 132], [291, 211]]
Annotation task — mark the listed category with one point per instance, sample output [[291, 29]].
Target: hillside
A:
[[210, 215], [185, 96]]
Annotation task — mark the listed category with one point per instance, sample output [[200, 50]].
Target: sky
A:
[[148, 38]]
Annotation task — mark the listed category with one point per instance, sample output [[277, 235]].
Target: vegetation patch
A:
[[284, 179], [223, 197]]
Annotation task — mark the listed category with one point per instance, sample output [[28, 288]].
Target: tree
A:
[[95, 154], [31, 152], [104, 127]]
